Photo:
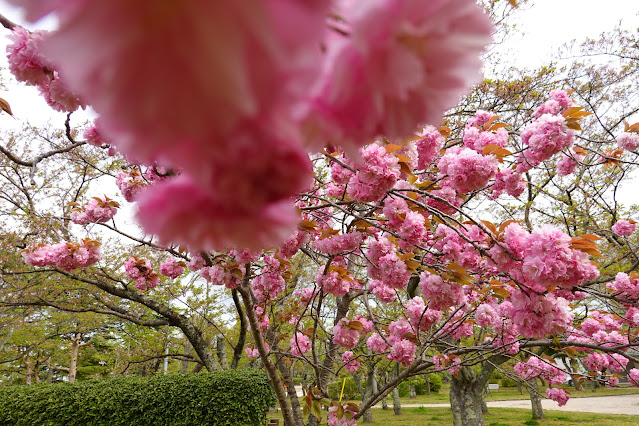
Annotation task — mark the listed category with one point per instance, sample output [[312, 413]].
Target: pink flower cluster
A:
[[130, 184], [558, 395], [385, 264], [28, 64], [628, 141], [141, 271], [347, 333], [568, 163], [421, 318], [293, 244], [623, 228], [428, 146], [376, 174], [269, 283], [457, 249], [633, 377], [508, 181], [254, 353], [345, 420], [258, 92], [548, 260], [466, 170], [442, 294], [336, 244], [376, 343], [537, 316], [300, 344], [625, 285], [98, 210], [536, 367], [548, 134], [64, 255], [450, 363], [172, 268], [352, 365], [476, 138]]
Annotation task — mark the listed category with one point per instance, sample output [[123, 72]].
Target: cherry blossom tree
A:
[[401, 263]]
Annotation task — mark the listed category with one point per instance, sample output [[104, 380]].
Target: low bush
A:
[[235, 397]]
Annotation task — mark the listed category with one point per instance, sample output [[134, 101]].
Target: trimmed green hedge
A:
[[235, 397]]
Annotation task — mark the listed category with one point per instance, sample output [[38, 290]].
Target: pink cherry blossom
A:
[[419, 316], [546, 136], [403, 63], [441, 294], [345, 336], [628, 141], [377, 174], [465, 170], [141, 271], [623, 228], [352, 365], [98, 210], [332, 419], [403, 352], [25, 58], [376, 343], [172, 268], [64, 255], [558, 395], [130, 184], [428, 146], [212, 225], [300, 344]]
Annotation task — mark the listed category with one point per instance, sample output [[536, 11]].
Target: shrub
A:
[[222, 398], [507, 382], [350, 389]]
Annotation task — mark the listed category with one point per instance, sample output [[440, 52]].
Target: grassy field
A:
[[496, 417], [511, 393]]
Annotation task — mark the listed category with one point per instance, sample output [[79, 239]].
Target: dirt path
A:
[[616, 404]]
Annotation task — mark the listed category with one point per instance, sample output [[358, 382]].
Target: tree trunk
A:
[[411, 389], [220, 345], [75, 349], [370, 391], [427, 385], [397, 405], [358, 383], [465, 399], [28, 370], [238, 350], [535, 399], [290, 387]]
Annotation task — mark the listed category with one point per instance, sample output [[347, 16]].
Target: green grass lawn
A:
[[512, 393], [496, 417]]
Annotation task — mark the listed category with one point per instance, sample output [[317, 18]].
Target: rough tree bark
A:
[[370, 391], [535, 399], [467, 392]]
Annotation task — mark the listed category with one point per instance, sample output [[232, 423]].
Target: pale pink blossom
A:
[[211, 224], [376, 343], [130, 184], [350, 361], [376, 174], [428, 146], [623, 228], [628, 141], [465, 170], [172, 268], [300, 344], [558, 395], [403, 352]]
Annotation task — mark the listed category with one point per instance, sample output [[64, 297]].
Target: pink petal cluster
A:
[[352, 365], [28, 64], [335, 282], [402, 63], [336, 244], [623, 228], [332, 419], [141, 271], [633, 377], [385, 264], [537, 316], [465, 170], [440, 293], [382, 291], [347, 335], [458, 249], [450, 363], [98, 210], [558, 395], [403, 352], [428, 146], [568, 164], [293, 244], [548, 259], [445, 200], [476, 138], [300, 344], [536, 367], [217, 275], [628, 141], [211, 223], [545, 137], [63, 255], [130, 184], [376, 174], [172, 268], [487, 316], [93, 135], [376, 343], [420, 317], [508, 181], [559, 101], [625, 285], [270, 282], [254, 353]]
